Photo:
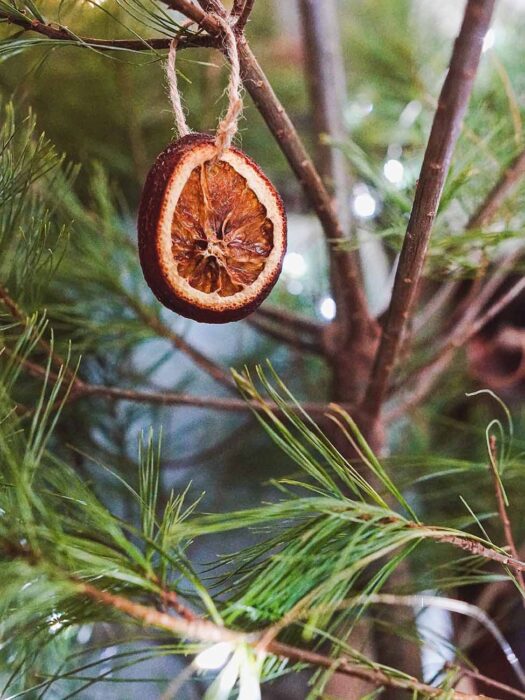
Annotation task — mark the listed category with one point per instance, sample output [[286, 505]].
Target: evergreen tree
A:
[[390, 493]]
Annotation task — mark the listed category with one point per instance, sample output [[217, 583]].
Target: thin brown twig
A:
[[175, 399], [290, 319], [19, 315], [197, 628], [444, 133], [283, 335], [426, 376], [203, 630], [477, 676], [373, 675], [472, 546], [502, 507], [172, 600], [510, 178], [244, 15], [61, 33], [237, 8], [218, 373]]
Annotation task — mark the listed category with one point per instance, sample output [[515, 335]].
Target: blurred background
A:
[[109, 114]]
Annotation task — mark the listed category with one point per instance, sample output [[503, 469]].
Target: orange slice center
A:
[[221, 235]]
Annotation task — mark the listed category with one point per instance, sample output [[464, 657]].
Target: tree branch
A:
[[244, 15], [237, 8], [445, 130], [290, 319], [472, 546], [214, 370], [325, 75], [203, 630], [477, 676], [426, 376], [502, 506], [61, 33], [508, 181], [283, 335], [175, 399], [375, 676]]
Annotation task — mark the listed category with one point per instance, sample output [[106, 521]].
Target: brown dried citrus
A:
[[212, 231]]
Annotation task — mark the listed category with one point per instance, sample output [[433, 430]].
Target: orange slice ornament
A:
[[212, 227], [212, 231]]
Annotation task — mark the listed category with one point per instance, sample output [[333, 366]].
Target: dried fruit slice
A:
[[212, 231]]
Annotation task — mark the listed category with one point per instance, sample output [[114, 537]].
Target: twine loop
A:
[[227, 127]]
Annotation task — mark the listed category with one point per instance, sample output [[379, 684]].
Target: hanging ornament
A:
[[212, 228]]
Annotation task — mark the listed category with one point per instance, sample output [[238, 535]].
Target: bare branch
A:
[[477, 676], [207, 365], [290, 319], [283, 335], [176, 399], [508, 181], [426, 376], [244, 15], [324, 71], [237, 7], [374, 675], [445, 130]]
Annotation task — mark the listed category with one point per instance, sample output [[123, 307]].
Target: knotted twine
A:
[[227, 127]]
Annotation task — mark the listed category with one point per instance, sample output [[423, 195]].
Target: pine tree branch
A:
[[60, 33], [17, 313], [197, 629], [509, 180], [206, 631], [80, 388], [472, 547], [352, 304], [194, 627], [444, 133]]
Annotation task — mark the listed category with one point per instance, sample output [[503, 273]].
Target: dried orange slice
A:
[[212, 231]]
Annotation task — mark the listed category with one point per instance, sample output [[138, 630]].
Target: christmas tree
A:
[[324, 498]]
